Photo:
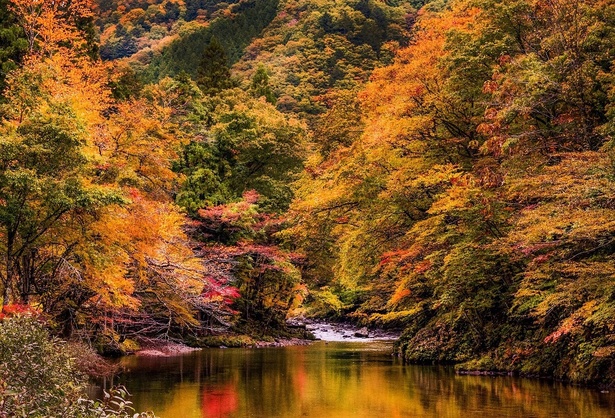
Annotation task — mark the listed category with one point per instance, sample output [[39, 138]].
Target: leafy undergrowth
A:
[[40, 376]]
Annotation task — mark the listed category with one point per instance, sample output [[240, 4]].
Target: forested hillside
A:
[[189, 170], [128, 27], [476, 207]]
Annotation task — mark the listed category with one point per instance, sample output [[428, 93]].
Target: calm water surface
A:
[[339, 380]]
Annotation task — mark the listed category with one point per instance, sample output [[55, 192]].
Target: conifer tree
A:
[[260, 85], [214, 73], [12, 40]]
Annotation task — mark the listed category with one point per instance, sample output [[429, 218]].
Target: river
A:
[[340, 380]]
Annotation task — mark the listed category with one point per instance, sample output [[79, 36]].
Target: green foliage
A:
[[484, 364], [260, 85], [127, 84], [313, 47], [237, 179], [42, 176], [324, 303], [213, 74], [248, 145], [123, 44], [38, 377], [13, 41], [268, 282], [114, 405], [465, 193], [241, 237], [37, 374], [76, 167], [230, 341], [247, 19]]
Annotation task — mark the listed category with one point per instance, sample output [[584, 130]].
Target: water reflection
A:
[[220, 401], [340, 380]]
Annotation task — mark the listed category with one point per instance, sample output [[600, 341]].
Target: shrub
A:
[[39, 377]]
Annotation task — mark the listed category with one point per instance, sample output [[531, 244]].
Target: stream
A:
[[343, 377]]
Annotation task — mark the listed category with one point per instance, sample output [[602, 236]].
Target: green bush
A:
[[39, 377]]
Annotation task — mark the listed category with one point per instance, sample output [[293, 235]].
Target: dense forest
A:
[[194, 170]]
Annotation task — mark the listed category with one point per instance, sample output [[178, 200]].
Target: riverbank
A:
[[162, 348], [340, 332], [308, 331], [316, 331]]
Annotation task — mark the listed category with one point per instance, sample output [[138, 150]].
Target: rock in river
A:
[[362, 333]]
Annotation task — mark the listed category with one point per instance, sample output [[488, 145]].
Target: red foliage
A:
[[103, 167], [396, 256], [220, 214], [542, 258], [16, 309], [422, 267], [134, 193], [220, 290], [251, 196], [239, 243]]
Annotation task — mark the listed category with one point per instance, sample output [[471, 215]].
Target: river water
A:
[[340, 380]]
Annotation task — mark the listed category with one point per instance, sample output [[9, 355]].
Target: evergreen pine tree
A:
[[13, 44], [260, 85], [214, 73]]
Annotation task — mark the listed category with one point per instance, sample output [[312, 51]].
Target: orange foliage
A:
[[50, 25]]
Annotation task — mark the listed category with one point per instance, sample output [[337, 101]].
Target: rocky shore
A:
[[325, 331], [161, 348], [331, 331]]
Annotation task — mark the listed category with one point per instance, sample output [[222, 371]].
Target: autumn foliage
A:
[[475, 209], [89, 231]]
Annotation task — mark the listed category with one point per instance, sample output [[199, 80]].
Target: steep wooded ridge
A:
[[476, 208], [441, 167]]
